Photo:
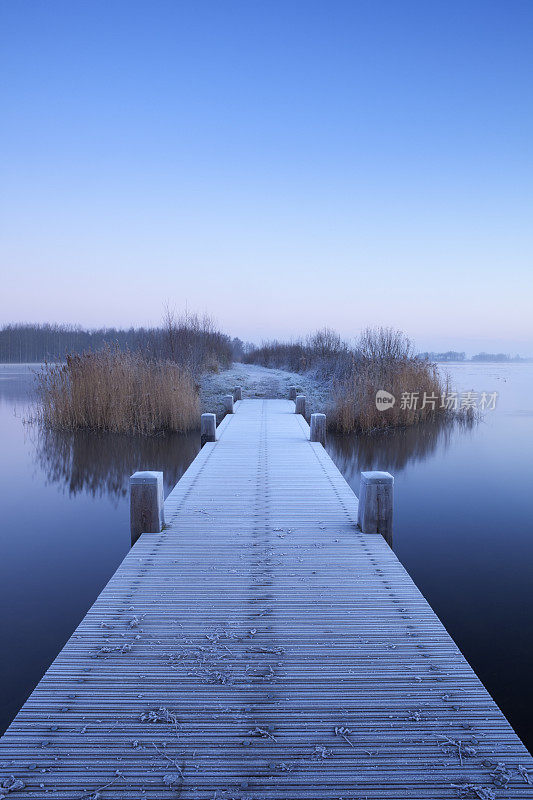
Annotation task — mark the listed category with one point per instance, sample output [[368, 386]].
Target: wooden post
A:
[[318, 429], [208, 428], [300, 404], [375, 503], [147, 513], [228, 403], [293, 391], [237, 393]]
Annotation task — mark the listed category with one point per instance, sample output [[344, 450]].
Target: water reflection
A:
[[393, 450], [472, 562], [17, 383], [101, 464]]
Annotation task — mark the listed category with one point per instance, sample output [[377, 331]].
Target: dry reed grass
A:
[[120, 392], [354, 399], [384, 359]]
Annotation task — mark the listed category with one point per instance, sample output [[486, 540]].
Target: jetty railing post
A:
[[228, 403], [293, 391], [208, 428], [376, 503], [299, 407], [318, 429], [237, 393], [147, 510]]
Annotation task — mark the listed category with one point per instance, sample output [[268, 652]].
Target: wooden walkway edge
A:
[[261, 647]]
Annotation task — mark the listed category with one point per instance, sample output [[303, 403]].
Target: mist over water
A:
[[463, 526]]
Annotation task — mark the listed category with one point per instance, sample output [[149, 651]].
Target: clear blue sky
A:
[[280, 165]]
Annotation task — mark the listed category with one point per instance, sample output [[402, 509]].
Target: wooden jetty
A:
[[261, 646]]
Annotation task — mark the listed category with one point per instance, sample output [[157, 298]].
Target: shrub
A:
[[323, 352], [116, 391], [194, 343], [384, 359]]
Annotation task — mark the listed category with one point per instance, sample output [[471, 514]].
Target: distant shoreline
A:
[[469, 362]]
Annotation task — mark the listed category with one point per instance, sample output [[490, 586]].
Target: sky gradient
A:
[[280, 165]]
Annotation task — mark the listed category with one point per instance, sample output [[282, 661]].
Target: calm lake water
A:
[[463, 528]]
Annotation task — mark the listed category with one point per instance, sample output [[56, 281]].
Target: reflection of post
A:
[[375, 504], [147, 514], [208, 427], [228, 403], [300, 404], [237, 393], [292, 393], [318, 428]]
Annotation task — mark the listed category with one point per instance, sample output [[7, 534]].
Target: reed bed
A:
[[118, 392], [382, 359], [385, 360], [354, 399]]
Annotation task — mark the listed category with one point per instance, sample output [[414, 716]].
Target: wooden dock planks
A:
[[261, 647]]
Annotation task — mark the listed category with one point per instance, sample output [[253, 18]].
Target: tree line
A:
[[188, 340], [29, 343]]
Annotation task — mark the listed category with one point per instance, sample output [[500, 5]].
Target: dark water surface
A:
[[64, 531], [463, 528]]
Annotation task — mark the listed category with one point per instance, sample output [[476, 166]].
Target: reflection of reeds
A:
[[391, 450], [101, 464], [117, 392]]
